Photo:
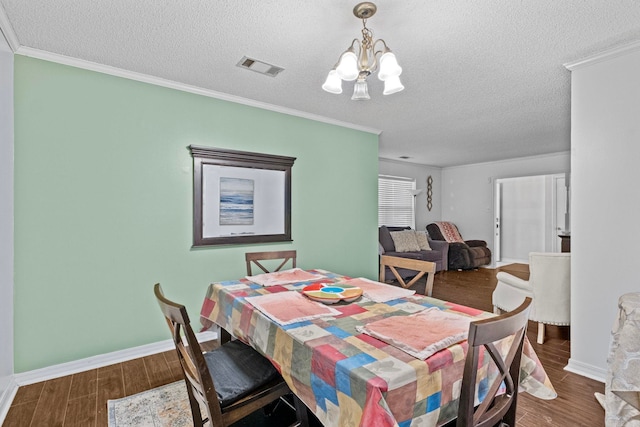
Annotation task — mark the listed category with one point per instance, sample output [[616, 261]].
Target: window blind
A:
[[395, 201]]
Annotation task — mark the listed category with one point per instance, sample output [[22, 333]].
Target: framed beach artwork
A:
[[240, 197], [236, 201]]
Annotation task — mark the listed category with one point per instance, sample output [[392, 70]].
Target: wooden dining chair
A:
[[419, 266], [229, 382], [495, 409], [256, 257]]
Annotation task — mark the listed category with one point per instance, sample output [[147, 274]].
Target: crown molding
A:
[[406, 162], [514, 159], [7, 30], [157, 81], [603, 56]]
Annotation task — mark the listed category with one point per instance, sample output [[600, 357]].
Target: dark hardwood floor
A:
[[81, 399]]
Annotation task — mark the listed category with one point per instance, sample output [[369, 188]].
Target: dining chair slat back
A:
[[221, 409], [496, 408], [419, 266], [256, 257]]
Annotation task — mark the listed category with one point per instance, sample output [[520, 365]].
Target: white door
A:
[[520, 218]]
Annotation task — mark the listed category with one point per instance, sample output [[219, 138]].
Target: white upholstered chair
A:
[[549, 286]]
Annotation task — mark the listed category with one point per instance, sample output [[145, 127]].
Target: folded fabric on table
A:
[[290, 307], [421, 334], [284, 277], [378, 292]]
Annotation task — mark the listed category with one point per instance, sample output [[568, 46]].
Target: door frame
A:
[[556, 244], [497, 217]]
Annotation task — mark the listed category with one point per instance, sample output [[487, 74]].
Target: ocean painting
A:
[[236, 201]]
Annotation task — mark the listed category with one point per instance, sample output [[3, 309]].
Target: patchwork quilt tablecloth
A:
[[348, 378]]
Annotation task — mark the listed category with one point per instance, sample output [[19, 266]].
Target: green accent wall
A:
[[103, 205]]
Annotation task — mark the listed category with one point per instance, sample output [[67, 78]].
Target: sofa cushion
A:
[[384, 238], [423, 240], [408, 255], [432, 256], [405, 241]]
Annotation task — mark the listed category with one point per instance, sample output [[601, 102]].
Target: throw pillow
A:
[[423, 241], [405, 241]]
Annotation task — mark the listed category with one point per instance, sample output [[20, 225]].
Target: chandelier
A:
[[358, 65]]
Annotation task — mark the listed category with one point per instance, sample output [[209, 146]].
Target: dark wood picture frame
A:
[[239, 163]]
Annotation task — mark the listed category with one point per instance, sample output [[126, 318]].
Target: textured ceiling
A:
[[484, 79]]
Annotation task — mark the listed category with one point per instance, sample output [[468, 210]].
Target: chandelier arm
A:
[[351, 48], [354, 42], [373, 62], [386, 48], [358, 52]]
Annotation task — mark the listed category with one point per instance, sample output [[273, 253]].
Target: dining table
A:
[[343, 372]]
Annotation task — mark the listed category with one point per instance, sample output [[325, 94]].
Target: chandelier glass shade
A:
[[361, 59]]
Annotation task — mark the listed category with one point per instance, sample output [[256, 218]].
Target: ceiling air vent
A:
[[259, 67], [404, 157]]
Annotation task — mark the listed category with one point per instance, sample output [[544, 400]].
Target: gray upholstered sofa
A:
[[438, 253]]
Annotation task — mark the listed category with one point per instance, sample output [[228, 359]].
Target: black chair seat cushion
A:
[[237, 370]]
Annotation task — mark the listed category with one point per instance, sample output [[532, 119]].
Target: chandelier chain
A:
[[367, 38]]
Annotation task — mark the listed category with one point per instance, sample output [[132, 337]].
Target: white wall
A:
[[467, 191], [605, 221], [6, 216], [420, 174]]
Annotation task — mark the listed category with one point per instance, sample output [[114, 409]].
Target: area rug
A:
[[166, 406]]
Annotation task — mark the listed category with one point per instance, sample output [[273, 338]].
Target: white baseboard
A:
[[586, 370], [507, 261], [63, 369], [7, 397]]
